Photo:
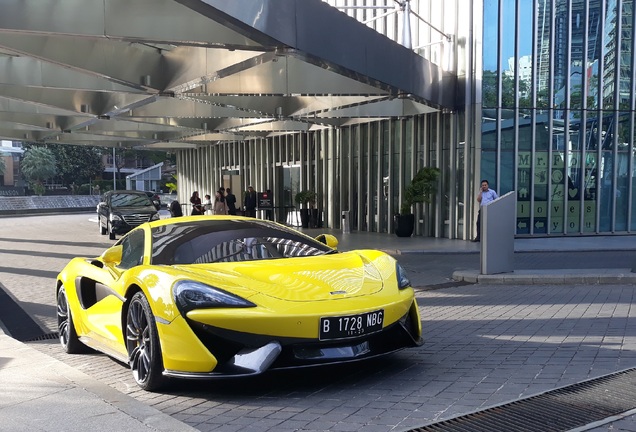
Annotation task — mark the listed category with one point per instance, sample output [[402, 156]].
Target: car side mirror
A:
[[328, 239], [113, 255]]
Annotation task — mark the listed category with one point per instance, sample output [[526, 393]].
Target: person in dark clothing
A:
[[250, 202], [175, 209], [230, 199], [197, 208]]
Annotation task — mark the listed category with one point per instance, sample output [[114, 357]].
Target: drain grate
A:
[[48, 336], [557, 410]]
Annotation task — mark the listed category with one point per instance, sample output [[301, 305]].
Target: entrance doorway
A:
[[289, 187]]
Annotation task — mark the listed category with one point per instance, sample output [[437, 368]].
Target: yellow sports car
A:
[[206, 296]]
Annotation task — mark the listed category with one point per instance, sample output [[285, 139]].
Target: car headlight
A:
[[189, 295], [403, 280], [155, 217], [114, 217]]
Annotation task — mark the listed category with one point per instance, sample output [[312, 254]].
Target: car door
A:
[[103, 293], [102, 210]]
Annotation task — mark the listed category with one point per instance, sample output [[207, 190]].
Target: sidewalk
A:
[[39, 393]]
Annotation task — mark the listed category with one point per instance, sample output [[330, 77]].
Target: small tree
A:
[[305, 197], [37, 166], [3, 166], [172, 185], [421, 189]]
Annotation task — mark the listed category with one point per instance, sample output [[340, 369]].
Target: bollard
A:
[[346, 223]]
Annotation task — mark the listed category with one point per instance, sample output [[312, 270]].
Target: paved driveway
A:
[[484, 345]]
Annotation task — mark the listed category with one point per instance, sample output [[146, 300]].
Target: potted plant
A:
[[306, 200], [421, 189]]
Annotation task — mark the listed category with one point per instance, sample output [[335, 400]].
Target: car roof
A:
[[196, 218], [131, 192]]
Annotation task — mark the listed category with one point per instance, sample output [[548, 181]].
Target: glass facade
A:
[[558, 112], [545, 108]]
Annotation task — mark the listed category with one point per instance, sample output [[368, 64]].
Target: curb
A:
[[550, 277]]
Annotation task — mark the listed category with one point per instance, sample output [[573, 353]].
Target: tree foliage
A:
[[38, 165], [421, 189], [3, 166], [76, 163]]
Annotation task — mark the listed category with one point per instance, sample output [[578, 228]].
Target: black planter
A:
[[304, 218], [404, 224], [315, 218]]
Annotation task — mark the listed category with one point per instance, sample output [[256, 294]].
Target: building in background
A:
[[11, 182], [537, 96]]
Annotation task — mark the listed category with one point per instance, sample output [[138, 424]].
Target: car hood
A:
[[136, 209], [298, 279]]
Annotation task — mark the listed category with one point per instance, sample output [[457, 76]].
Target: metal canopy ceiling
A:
[[175, 74]]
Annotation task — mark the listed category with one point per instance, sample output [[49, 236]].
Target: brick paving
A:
[[484, 344]]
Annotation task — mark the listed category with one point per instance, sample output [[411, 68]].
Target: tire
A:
[[142, 344], [111, 235], [102, 229], [66, 329]]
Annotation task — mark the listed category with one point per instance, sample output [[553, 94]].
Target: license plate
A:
[[341, 327]]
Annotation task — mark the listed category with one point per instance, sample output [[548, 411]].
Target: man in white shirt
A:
[[485, 196]]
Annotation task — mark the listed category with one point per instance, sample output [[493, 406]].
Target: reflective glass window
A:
[[508, 53], [623, 174], [609, 54], [490, 80]]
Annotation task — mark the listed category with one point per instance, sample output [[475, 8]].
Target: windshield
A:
[[212, 241], [129, 200]]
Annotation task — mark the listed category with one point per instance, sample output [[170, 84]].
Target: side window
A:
[[132, 249]]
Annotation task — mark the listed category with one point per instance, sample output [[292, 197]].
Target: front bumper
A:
[[240, 354], [120, 227], [128, 222]]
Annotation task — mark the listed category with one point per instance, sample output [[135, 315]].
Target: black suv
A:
[[120, 211]]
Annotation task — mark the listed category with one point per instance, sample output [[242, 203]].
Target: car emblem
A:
[[337, 292]]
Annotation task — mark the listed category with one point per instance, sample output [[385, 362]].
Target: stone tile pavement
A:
[[486, 344]]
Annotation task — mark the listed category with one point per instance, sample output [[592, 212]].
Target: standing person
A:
[[485, 196], [220, 206], [197, 208], [207, 205], [250, 202], [175, 209], [230, 199]]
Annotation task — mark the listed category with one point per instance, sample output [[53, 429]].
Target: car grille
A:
[[136, 219]]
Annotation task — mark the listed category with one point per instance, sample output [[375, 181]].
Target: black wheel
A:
[[68, 337], [142, 343], [102, 229], [111, 235]]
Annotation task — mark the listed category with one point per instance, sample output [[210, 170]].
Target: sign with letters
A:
[[265, 200]]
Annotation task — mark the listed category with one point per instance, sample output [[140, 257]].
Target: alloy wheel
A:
[[142, 344], [63, 327]]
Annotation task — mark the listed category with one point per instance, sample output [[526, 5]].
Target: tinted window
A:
[[129, 200], [229, 241], [132, 249]]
